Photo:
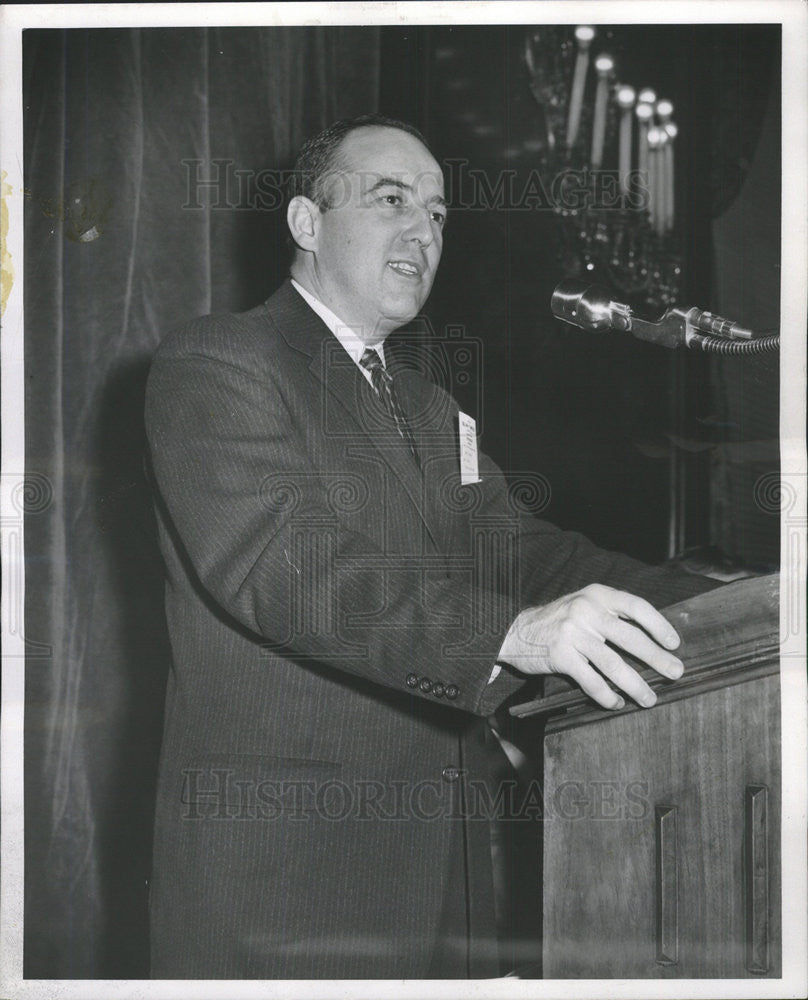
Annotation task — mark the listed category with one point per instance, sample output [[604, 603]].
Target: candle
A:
[[655, 180], [584, 35], [664, 187], [625, 100], [644, 113], [664, 110], [647, 96], [604, 65], [670, 216]]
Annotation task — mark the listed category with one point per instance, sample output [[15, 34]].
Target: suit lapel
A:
[[342, 384], [432, 415]]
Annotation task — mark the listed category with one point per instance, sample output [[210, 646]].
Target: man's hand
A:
[[570, 636]]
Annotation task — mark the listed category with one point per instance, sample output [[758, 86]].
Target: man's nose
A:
[[420, 226]]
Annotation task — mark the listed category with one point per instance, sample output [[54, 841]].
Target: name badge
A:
[[467, 428]]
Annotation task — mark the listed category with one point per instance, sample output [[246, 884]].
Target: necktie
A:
[[383, 384]]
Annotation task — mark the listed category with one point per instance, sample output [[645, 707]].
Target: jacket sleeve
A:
[[551, 563]]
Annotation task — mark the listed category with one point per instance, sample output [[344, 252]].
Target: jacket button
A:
[[412, 680], [426, 685], [438, 689], [451, 773], [452, 691]]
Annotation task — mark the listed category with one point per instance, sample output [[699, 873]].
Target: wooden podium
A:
[[661, 853]]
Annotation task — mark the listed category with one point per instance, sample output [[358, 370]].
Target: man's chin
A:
[[397, 321], [403, 312]]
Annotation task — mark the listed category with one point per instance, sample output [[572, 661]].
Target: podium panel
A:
[[662, 826]]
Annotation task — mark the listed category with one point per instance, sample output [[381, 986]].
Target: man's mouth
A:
[[405, 268]]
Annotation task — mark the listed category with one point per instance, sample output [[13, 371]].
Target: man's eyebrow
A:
[[395, 182]]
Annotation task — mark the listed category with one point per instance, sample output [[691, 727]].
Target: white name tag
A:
[[467, 427]]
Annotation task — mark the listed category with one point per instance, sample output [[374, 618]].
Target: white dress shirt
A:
[[353, 344]]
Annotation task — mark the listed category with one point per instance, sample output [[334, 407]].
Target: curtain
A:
[[153, 163], [745, 460]]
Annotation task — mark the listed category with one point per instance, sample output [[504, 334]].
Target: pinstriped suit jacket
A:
[[334, 614]]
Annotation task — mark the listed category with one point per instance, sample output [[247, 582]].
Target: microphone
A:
[[590, 307]]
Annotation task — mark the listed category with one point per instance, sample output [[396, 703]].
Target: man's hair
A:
[[319, 156]]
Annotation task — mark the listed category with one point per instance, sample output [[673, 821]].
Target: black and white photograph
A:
[[404, 499]]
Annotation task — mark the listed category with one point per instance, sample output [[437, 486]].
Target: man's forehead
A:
[[379, 151]]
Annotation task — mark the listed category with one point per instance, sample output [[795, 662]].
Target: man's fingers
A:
[[630, 639], [612, 665], [572, 663], [639, 610], [577, 635]]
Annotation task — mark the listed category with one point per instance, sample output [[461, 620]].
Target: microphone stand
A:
[[590, 307]]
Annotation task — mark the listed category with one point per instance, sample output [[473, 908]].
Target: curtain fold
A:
[[745, 463], [122, 243]]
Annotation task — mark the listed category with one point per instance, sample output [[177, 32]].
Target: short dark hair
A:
[[318, 156]]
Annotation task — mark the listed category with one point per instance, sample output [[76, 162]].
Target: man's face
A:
[[378, 247]]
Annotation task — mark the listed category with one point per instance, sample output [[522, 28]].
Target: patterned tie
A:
[[383, 384]]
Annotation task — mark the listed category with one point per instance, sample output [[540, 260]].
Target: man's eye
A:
[[439, 217], [392, 199]]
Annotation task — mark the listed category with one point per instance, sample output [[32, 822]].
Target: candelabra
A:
[[607, 154]]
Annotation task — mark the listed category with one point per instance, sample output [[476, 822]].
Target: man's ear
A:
[[303, 217]]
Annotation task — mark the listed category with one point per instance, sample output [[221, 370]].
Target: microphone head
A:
[[583, 305]]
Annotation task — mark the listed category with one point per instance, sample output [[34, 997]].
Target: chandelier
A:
[[607, 152]]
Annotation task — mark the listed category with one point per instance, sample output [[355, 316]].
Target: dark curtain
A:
[[124, 238], [745, 461]]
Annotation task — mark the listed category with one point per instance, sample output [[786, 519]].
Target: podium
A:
[[661, 840]]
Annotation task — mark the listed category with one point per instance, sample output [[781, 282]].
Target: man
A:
[[344, 610]]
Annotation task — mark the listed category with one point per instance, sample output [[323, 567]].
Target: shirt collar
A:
[[344, 334]]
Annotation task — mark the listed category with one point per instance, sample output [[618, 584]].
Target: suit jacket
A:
[[335, 612]]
